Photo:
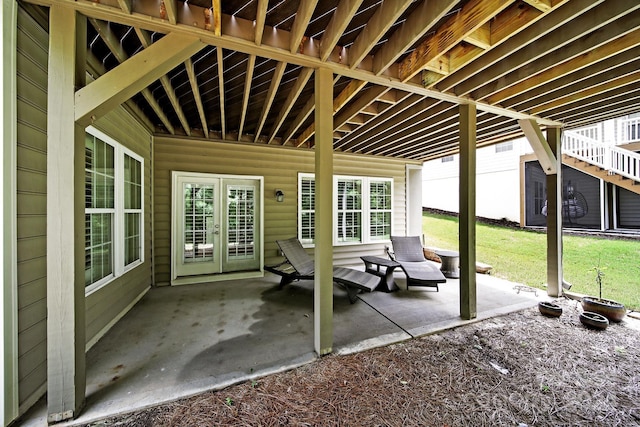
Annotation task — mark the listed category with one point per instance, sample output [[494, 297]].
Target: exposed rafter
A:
[[247, 90], [303, 16], [220, 56], [339, 21], [145, 39], [273, 88], [193, 80]]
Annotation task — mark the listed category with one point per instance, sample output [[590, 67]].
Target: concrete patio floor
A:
[[180, 341]]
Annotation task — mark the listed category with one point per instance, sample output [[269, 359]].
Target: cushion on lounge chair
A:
[[299, 265], [407, 251]]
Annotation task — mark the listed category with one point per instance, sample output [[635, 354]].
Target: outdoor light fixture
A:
[[279, 195]]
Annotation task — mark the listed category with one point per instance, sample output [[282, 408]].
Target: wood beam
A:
[[129, 78], [95, 69], [113, 43], [472, 16], [272, 48], [195, 88], [303, 114], [145, 40], [248, 77], [341, 18], [66, 334], [362, 135], [540, 146], [528, 33], [540, 49], [303, 16], [467, 222], [578, 55], [481, 37], [382, 20], [574, 96], [217, 17], [603, 71], [170, 11], [417, 24], [301, 82], [261, 16], [323, 257], [541, 5], [125, 5], [271, 94], [223, 119], [352, 88], [371, 94]]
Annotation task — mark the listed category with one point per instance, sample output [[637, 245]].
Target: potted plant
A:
[[612, 310]]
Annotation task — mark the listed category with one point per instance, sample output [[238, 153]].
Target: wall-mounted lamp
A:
[[279, 195]]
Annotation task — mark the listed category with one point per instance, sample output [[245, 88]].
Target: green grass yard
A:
[[520, 256]]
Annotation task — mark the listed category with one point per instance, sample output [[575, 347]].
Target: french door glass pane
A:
[[198, 222], [240, 227]]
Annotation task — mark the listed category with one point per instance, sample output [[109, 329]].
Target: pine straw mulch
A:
[[515, 370]]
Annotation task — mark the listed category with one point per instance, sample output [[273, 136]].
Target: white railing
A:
[[629, 130], [611, 158]]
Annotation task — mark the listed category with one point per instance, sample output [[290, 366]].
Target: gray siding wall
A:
[[280, 168], [32, 47], [103, 306]]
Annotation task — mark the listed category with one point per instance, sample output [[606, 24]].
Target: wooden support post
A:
[[65, 218], [467, 223], [554, 217], [323, 286]]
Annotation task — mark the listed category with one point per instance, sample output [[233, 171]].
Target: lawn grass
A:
[[519, 255]]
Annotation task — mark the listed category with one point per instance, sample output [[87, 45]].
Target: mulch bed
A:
[[521, 369]]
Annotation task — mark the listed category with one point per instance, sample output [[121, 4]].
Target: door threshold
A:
[[204, 278]]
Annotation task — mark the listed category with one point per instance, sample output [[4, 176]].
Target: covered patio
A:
[[263, 119], [215, 336]]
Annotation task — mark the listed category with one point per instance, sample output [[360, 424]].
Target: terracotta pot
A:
[[549, 309], [612, 310], [594, 320]]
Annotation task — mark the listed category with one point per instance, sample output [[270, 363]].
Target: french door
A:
[[216, 224]]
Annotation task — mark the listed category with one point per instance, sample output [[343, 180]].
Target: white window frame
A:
[[118, 222], [366, 210]]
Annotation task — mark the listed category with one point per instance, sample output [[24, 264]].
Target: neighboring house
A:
[[600, 174]]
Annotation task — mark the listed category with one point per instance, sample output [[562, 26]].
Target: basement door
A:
[[216, 225]]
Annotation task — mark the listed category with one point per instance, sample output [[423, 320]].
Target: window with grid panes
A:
[[362, 209], [114, 211]]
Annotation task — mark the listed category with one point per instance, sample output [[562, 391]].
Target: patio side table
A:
[[372, 265], [450, 263]]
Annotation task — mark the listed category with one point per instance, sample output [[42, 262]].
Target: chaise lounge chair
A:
[[407, 251], [298, 265]]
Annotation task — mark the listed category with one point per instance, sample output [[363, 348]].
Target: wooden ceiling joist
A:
[[145, 39], [247, 90], [271, 94], [399, 67], [376, 28], [193, 81], [416, 25], [341, 18], [471, 17]]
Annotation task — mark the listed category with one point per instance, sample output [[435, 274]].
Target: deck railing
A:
[[614, 159]]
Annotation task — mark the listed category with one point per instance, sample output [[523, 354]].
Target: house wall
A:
[[280, 168], [494, 170], [628, 209], [105, 305], [31, 162]]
